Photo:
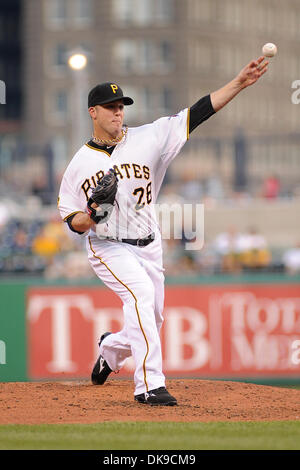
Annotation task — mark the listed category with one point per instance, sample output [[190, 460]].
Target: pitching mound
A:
[[199, 400]]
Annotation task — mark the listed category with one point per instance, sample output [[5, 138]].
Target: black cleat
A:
[[158, 397], [101, 369]]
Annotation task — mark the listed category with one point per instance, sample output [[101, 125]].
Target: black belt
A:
[[139, 241]]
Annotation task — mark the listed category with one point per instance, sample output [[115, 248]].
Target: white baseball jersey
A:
[[140, 160], [134, 273]]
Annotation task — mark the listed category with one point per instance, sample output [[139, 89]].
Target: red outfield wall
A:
[[228, 331]]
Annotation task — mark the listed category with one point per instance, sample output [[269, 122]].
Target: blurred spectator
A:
[[206, 260], [4, 215], [192, 190], [187, 264], [45, 245], [52, 239], [56, 229], [228, 247], [214, 188], [172, 250], [21, 240], [73, 265], [40, 189], [15, 247], [271, 187], [291, 259], [169, 194], [254, 252], [242, 251]]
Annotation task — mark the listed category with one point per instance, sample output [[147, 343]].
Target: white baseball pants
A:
[[135, 274]]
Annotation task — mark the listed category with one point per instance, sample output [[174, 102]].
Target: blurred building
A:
[[11, 83], [10, 64], [167, 54]]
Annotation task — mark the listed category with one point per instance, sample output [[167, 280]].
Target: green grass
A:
[[275, 435]]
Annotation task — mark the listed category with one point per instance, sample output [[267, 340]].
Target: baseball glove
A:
[[104, 196]]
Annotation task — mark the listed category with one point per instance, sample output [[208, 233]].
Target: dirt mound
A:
[[199, 400]]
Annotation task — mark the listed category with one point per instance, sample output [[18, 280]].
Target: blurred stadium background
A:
[[243, 164]]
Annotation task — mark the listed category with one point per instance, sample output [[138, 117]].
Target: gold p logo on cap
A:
[[114, 88]]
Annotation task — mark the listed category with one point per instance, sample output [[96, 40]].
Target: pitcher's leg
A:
[[152, 261], [159, 284], [130, 281], [116, 348]]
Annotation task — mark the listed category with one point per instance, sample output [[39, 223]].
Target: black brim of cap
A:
[[126, 100]]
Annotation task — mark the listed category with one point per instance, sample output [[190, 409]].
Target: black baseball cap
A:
[[107, 92]]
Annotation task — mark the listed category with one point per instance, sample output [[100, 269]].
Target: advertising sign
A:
[[211, 331]]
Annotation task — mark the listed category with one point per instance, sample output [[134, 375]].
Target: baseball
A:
[[269, 49]]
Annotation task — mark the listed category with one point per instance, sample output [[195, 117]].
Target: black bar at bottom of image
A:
[[138, 458]]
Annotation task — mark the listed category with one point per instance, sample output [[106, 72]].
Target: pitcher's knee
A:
[[143, 294], [146, 293]]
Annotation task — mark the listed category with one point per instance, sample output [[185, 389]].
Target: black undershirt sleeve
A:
[[200, 111], [69, 222]]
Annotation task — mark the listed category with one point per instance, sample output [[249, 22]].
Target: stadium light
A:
[[77, 61], [78, 64]]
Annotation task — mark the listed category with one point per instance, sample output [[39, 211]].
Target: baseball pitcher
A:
[[107, 195]]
